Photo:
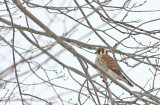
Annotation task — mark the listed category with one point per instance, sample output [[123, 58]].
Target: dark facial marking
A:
[[102, 50]]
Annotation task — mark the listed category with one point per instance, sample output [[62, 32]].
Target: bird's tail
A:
[[127, 81]]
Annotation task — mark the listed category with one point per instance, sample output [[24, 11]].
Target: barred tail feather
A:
[[128, 82]]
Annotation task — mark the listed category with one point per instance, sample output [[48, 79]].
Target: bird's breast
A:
[[100, 63]]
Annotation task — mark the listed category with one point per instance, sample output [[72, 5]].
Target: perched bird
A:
[[108, 64]]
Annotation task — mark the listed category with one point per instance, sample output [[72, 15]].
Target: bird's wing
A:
[[111, 63]]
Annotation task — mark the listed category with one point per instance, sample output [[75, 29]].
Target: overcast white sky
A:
[[60, 26]]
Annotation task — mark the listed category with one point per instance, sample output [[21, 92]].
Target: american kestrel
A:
[[108, 64]]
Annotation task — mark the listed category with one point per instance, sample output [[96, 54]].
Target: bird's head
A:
[[101, 51]]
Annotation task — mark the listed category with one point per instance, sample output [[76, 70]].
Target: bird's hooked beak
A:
[[96, 52]]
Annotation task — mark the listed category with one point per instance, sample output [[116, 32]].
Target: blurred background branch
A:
[[55, 42]]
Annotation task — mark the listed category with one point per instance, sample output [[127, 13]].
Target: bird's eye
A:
[[99, 51]]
